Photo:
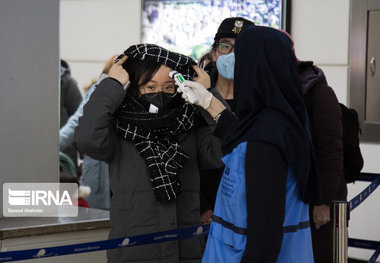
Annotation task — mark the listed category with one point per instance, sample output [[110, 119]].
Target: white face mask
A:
[[225, 65]]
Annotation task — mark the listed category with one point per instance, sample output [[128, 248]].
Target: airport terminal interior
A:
[[108, 157]]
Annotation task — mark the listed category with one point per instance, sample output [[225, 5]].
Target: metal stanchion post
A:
[[340, 228]]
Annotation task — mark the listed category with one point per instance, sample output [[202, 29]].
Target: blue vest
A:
[[227, 237]]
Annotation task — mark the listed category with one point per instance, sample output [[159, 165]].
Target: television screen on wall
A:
[[189, 26]]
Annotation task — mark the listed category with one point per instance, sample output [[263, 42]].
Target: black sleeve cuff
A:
[[224, 123], [116, 81]]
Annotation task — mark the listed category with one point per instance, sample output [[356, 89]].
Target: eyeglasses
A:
[[170, 90], [224, 48]]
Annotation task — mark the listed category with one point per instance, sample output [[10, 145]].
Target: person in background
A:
[[204, 60], [66, 165], [223, 56], [154, 146], [261, 212], [221, 70], [327, 132], [95, 173], [83, 190], [70, 100], [89, 84], [66, 133]]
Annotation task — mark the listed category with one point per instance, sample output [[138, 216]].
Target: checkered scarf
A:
[[154, 137]]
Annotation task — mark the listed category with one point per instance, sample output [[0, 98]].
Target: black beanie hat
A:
[[154, 53], [231, 27]]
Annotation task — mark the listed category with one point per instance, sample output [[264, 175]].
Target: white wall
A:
[[320, 30], [92, 31], [320, 33]]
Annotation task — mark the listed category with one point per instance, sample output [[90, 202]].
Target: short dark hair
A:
[[140, 72]]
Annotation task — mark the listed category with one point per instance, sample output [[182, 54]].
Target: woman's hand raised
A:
[[203, 78], [118, 72]]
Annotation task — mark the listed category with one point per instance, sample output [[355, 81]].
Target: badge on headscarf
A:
[[238, 25]]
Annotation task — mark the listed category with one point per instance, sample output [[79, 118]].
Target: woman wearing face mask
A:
[[223, 56], [154, 146], [222, 73]]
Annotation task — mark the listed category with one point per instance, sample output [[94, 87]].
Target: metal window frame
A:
[[359, 13]]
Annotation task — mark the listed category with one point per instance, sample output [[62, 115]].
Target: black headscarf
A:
[[269, 103], [157, 54]]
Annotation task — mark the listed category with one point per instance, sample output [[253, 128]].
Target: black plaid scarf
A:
[[154, 53], [154, 137]]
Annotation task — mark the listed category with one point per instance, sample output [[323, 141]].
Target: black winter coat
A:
[[326, 128], [134, 209]]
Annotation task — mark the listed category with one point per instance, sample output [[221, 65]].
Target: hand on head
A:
[[203, 78], [118, 72], [108, 64]]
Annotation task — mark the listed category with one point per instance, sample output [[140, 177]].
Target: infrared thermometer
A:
[[179, 79]]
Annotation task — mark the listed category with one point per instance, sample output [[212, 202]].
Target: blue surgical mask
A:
[[225, 65]]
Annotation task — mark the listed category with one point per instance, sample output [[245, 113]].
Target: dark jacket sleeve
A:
[[95, 133], [266, 172], [327, 130], [206, 116], [210, 141], [224, 124], [210, 178], [209, 149]]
